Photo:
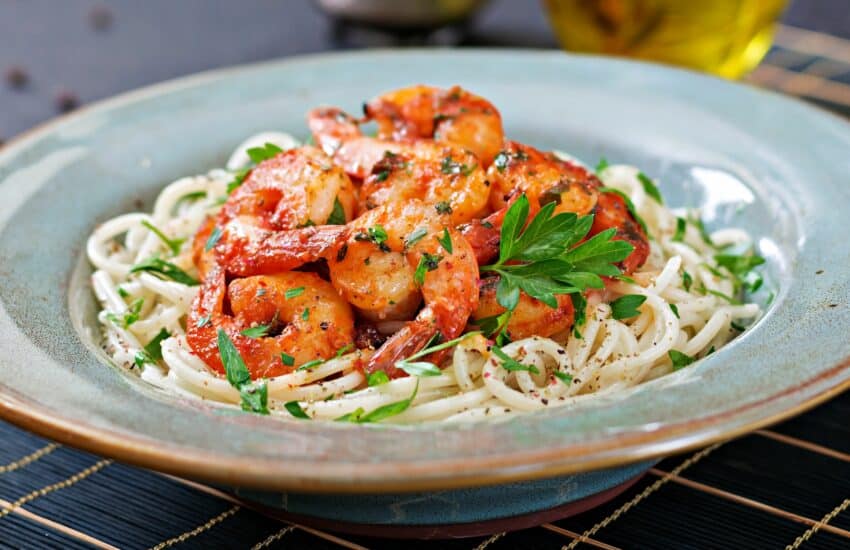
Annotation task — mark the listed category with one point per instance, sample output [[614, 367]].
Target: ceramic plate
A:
[[772, 165]]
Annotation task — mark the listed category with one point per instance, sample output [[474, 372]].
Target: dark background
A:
[[57, 44]]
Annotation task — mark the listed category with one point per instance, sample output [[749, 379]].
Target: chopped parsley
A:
[[650, 188], [415, 236], [152, 352], [443, 207], [580, 313], [258, 331], [287, 359], [254, 394], [629, 204], [625, 307], [310, 364], [173, 244], [601, 166], [510, 364], [687, 281], [681, 226], [446, 240], [424, 368], [680, 359], [215, 235], [675, 309], [238, 179], [504, 157], [377, 378], [130, 316], [376, 234], [267, 151], [305, 314], [427, 262], [337, 216], [294, 408], [165, 269], [293, 292], [450, 166]]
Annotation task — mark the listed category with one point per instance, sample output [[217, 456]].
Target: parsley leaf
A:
[[254, 395], [580, 313], [687, 281], [420, 368], [391, 409], [337, 216], [293, 292], [625, 307], [128, 317], [415, 236], [443, 207], [681, 226], [539, 258], [510, 364], [173, 244], [310, 364], [446, 241], [258, 331], [294, 408], [601, 165], [267, 151], [696, 221], [675, 309], [427, 262], [629, 204], [215, 235], [152, 352], [165, 269], [650, 188], [377, 378], [680, 359], [305, 314], [238, 179], [287, 359]]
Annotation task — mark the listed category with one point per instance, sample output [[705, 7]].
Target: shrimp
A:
[[396, 256], [530, 317], [446, 177], [436, 173], [266, 225], [296, 188], [305, 319], [453, 116], [544, 178]]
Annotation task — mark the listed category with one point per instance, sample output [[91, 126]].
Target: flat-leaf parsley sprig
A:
[[543, 258]]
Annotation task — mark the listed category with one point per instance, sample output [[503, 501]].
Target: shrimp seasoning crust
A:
[[434, 271]]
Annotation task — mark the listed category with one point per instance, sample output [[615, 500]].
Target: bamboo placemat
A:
[[788, 486]]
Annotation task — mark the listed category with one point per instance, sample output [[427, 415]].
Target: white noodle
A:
[[610, 355]]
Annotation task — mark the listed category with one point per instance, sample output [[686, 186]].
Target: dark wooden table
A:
[[787, 486]]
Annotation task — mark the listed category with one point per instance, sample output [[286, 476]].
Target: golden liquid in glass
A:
[[725, 37]]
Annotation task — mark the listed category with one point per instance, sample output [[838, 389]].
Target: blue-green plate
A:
[[772, 165]]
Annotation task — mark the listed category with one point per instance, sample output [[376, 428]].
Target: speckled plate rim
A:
[[267, 474]]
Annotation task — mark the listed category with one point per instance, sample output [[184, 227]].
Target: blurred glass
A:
[[725, 37]]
